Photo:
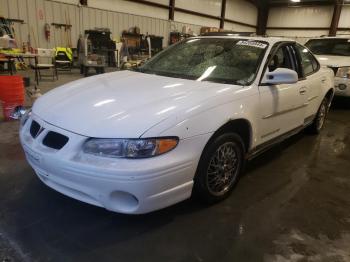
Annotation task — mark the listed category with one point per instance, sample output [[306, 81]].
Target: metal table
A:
[[11, 56]]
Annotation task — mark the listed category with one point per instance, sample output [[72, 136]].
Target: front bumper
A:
[[132, 186], [345, 82]]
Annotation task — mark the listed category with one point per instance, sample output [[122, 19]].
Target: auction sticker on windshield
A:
[[252, 43]]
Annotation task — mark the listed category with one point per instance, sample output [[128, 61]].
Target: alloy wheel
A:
[[222, 169], [321, 116]]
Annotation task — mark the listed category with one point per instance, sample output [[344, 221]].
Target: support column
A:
[[171, 9], [335, 19], [263, 15], [223, 13]]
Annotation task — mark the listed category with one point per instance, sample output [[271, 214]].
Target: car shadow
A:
[[340, 103], [44, 221]]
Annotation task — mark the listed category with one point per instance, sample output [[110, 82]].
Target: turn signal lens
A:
[[165, 145]]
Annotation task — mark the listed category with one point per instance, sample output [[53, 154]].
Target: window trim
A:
[[273, 51], [259, 61], [300, 60]]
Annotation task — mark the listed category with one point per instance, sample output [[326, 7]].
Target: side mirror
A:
[[280, 76]]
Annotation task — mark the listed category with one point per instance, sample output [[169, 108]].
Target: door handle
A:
[[302, 90]]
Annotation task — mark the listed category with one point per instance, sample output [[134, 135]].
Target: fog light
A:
[[123, 201], [342, 86]]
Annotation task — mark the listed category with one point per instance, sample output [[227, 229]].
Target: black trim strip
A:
[[267, 145], [271, 133], [308, 120], [285, 111], [312, 98]]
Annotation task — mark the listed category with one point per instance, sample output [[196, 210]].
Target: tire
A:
[[219, 168], [318, 123]]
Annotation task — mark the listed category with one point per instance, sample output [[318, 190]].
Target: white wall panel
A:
[[320, 16], [242, 11], [12, 9], [211, 7], [238, 28], [4, 8], [130, 7], [32, 22], [298, 35], [40, 23], [73, 2], [13, 12], [163, 2], [118, 15], [345, 17], [192, 19]]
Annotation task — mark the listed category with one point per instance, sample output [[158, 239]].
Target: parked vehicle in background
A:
[[334, 52], [182, 124]]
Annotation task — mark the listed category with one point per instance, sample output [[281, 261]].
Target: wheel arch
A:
[[329, 95], [241, 127]]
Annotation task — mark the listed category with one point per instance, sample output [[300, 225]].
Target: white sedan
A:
[[182, 124], [334, 52]]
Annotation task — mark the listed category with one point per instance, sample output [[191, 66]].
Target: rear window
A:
[[337, 47]]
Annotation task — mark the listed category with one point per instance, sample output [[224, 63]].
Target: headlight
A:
[[130, 148], [24, 116], [343, 72]]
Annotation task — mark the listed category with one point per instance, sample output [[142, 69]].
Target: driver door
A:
[[282, 107]]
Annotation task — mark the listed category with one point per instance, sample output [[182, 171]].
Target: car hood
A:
[[122, 104], [333, 61]]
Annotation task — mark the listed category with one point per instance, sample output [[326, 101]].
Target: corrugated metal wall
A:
[[36, 13], [316, 16]]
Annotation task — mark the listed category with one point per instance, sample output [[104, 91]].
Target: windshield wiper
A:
[[221, 81]]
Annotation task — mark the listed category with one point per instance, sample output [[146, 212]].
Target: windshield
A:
[[337, 47], [209, 59]]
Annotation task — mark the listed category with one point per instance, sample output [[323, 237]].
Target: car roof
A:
[[269, 39]]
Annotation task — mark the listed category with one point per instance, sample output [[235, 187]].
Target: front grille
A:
[[55, 140], [34, 129]]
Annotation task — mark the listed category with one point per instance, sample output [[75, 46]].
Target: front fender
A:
[[205, 122]]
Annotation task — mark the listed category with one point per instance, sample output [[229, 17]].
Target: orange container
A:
[[11, 89]]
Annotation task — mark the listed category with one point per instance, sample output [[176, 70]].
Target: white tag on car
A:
[[252, 43]]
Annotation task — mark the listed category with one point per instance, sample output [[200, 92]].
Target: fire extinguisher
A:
[[47, 32]]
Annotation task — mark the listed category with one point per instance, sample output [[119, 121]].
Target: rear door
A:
[[312, 80], [282, 107]]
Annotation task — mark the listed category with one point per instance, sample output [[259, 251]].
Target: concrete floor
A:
[[293, 204]]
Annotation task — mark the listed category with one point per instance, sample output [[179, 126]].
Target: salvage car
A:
[[334, 52], [182, 125]]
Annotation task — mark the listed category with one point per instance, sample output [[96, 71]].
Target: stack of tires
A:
[[11, 94]]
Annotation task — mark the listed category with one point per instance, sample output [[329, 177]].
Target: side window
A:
[[308, 62], [281, 59]]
